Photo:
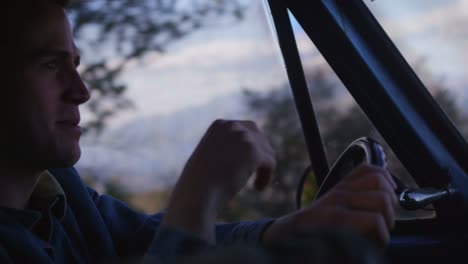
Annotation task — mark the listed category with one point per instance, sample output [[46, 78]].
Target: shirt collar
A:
[[47, 186], [48, 195], [47, 189]]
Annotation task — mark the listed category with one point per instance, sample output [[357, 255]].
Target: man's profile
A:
[[47, 215]]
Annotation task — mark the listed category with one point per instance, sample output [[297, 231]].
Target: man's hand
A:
[[228, 154], [363, 201]]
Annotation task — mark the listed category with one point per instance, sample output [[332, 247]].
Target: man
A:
[[47, 215]]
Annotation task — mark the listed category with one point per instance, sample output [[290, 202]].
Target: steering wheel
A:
[[362, 150], [417, 241]]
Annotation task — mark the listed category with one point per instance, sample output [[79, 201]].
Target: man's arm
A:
[[228, 154], [134, 233], [363, 203], [231, 151]]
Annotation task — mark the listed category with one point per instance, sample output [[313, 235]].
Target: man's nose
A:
[[77, 91]]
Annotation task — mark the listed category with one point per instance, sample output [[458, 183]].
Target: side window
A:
[[230, 69], [432, 36], [340, 119]]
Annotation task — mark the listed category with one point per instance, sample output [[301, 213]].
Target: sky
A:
[[219, 62], [215, 62], [207, 64], [433, 30]]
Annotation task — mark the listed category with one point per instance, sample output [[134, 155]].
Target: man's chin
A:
[[65, 159], [72, 159], [54, 154]]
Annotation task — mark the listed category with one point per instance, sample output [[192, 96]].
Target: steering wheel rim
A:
[[364, 149]]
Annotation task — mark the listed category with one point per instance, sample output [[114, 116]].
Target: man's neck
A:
[[17, 186]]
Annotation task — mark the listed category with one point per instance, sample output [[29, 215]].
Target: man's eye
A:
[[51, 65]]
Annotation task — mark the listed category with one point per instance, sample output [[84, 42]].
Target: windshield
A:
[[226, 66], [433, 37], [159, 81]]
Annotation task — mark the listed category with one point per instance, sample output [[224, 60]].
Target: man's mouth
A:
[[70, 122], [71, 126]]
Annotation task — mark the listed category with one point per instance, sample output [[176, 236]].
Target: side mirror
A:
[[363, 150]]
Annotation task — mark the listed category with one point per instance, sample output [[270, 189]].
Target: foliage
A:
[[112, 34], [279, 120], [340, 124]]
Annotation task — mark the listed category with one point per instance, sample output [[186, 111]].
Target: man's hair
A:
[[64, 3], [16, 18]]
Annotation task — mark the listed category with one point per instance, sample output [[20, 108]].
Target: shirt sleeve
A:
[[241, 232], [136, 234], [170, 243]]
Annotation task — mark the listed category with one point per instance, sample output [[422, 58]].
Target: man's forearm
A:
[[196, 215]]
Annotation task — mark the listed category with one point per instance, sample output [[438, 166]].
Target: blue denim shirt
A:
[[81, 226]]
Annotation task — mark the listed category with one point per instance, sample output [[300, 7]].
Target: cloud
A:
[[441, 18], [436, 31], [196, 71], [199, 71]]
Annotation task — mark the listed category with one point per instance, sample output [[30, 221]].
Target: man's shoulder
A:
[[64, 172], [70, 181], [67, 177]]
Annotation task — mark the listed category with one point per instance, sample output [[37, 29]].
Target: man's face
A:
[[44, 95]]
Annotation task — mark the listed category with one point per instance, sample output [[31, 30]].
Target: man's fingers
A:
[[264, 173], [370, 224], [370, 182], [249, 124], [262, 178], [374, 201], [377, 202], [266, 154], [363, 169], [389, 178], [259, 136], [252, 145]]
